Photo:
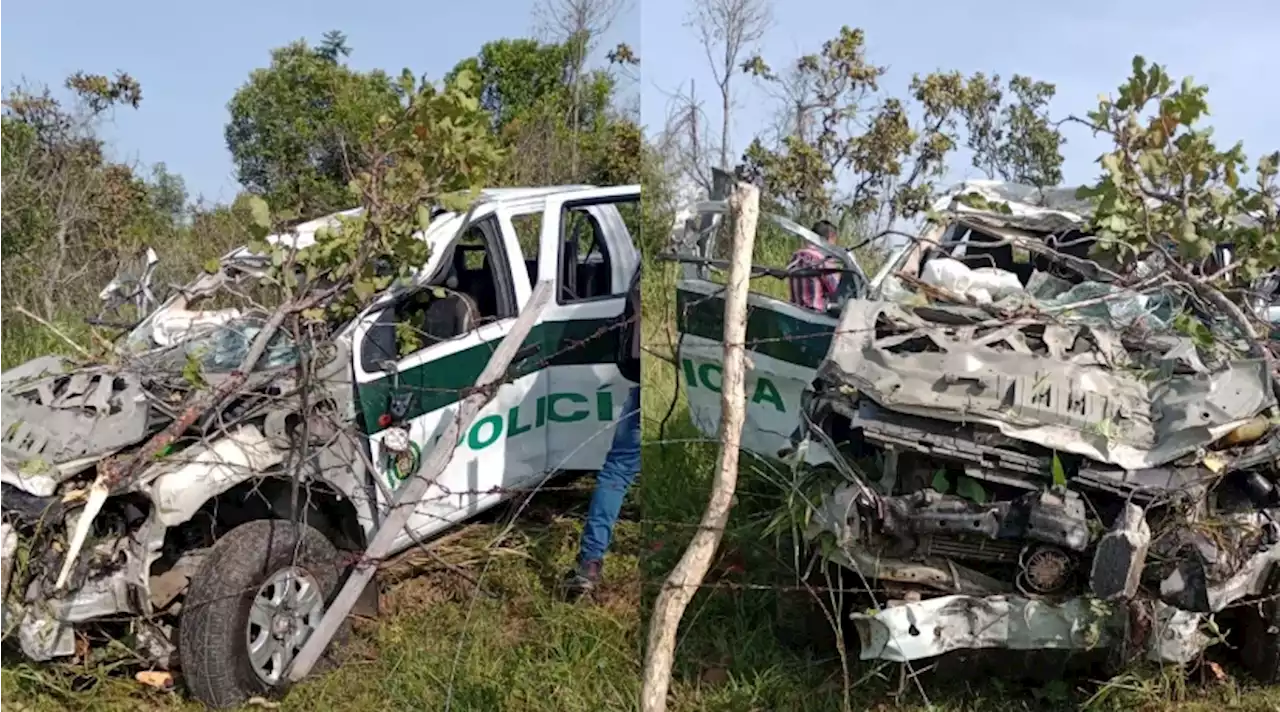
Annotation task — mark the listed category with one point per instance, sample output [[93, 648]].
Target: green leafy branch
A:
[[870, 142], [436, 150], [1168, 191]]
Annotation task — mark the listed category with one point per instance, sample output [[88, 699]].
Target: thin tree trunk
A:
[[724, 124], [407, 497], [688, 575]]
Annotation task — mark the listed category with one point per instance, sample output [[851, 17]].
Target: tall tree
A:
[[577, 24], [527, 88], [682, 145], [1011, 135], [68, 209], [872, 157], [294, 122], [726, 29], [514, 76], [334, 46]]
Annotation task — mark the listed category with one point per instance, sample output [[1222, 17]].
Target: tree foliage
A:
[[518, 76], [297, 126], [1010, 132], [528, 88], [1168, 192], [434, 149], [1166, 183], [68, 208], [295, 123], [890, 151]]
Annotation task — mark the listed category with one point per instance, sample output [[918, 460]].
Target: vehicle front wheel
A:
[[256, 599]]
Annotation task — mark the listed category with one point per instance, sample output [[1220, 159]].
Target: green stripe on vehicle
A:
[[770, 333], [443, 381]]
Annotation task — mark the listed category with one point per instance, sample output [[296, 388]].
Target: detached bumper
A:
[[932, 627]]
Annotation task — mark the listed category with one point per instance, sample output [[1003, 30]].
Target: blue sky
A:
[[1083, 46], [191, 57]]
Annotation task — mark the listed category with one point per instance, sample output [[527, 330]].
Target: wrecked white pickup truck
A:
[[1026, 454], [188, 560]]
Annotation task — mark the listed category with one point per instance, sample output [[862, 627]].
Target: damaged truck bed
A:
[[1031, 452]]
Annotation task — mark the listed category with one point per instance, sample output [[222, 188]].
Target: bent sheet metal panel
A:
[[925, 629], [959, 381]]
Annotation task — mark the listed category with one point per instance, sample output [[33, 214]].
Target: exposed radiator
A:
[[970, 548]]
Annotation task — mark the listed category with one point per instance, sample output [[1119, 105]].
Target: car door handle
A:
[[528, 352]]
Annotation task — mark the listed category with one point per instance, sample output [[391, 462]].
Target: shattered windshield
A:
[[225, 347], [210, 301]]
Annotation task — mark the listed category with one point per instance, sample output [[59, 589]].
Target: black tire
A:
[[212, 645], [1260, 633]]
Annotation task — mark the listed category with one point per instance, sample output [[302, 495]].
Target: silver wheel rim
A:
[[286, 609]]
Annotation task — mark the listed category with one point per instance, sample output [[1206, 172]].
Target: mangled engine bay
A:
[[1024, 476], [96, 532]]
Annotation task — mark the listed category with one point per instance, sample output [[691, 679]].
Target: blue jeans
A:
[[621, 466]]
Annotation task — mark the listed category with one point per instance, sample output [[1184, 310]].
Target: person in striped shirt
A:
[[815, 292]]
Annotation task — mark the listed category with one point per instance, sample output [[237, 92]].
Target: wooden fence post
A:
[[687, 576]]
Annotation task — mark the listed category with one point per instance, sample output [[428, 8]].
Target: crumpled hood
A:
[[57, 422], [1073, 388]]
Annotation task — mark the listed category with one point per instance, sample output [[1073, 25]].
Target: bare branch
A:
[[727, 28]]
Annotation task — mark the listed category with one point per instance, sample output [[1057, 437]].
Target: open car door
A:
[[417, 356], [785, 343], [587, 249]]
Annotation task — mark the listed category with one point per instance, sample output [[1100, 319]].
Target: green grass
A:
[[518, 650], [741, 648]]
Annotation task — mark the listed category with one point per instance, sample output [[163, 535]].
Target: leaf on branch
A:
[[193, 372], [364, 289], [259, 212], [458, 201]]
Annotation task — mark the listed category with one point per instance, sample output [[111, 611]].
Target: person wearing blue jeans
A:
[[621, 465]]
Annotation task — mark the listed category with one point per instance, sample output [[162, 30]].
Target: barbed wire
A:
[[752, 342], [305, 454]]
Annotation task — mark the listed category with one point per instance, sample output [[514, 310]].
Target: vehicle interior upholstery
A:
[[469, 299], [585, 268], [977, 249], [472, 282]]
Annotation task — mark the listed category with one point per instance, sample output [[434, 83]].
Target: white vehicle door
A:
[[415, 360], [587, 248], [785, 342]]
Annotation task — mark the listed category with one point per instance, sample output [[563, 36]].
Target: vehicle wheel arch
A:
[[270, 496]]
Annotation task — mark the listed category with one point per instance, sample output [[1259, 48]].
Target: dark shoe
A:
[[581, 580]]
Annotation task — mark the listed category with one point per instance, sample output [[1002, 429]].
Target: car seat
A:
[[476, 283], [449, 316]]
